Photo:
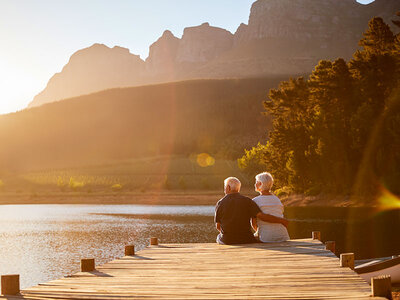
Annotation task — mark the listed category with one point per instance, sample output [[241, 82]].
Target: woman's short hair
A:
[[266, 181], [233, 182]]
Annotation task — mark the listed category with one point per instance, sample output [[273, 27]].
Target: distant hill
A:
[[281, 37], [219, 117]]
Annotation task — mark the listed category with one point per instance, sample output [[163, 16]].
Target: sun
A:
[[17, 87]]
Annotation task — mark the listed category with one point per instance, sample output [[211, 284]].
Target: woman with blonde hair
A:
[[269, 204]]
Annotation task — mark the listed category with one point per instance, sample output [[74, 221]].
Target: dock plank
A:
[[296, 269]]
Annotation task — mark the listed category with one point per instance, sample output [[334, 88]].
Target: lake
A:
[[45, 242]]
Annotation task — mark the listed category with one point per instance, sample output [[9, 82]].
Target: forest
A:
[[337, 131]]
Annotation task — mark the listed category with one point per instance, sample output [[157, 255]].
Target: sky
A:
[[37, 37]]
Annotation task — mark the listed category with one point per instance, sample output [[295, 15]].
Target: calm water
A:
[[44, 242]]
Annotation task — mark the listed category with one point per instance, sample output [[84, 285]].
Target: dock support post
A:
[[331, 246], [153, 241], [316, 235], [129, 250], [10, 284], [381, 286], [347, 260], [87, 265]]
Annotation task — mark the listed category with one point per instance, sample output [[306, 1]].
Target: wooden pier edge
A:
[[153, 241], [331, 246], [381, 286], [347, 260], [10, 284], [129, 250], [87, 265]]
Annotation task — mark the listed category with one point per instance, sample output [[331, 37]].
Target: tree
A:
[[254, 160], [374, 67], [378, 39], [335, 130], [397, 38], [292, 123], [331, 96]]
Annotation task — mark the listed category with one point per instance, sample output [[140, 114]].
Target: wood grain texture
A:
[[296, 269]]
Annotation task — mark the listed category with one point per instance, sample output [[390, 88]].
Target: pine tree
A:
[[378, 39], [375, 67]]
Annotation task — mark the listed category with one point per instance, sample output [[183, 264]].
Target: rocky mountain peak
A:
[[203, 43], [162, 55], [301, 19], [167, 33], [282, 37], [91, 69]]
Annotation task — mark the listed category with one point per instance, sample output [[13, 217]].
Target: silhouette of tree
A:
[[339, 130]]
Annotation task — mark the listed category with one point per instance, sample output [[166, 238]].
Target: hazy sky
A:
[[37, 37]]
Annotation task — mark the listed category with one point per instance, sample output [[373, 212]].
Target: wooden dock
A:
[[296, 269]]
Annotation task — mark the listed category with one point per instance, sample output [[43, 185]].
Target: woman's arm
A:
[[272, 219], [254, 223]]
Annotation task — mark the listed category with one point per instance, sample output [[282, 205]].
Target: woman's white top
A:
[[271, 232]]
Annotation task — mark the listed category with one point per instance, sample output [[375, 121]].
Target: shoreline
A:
[[164, 198], [114, 199]]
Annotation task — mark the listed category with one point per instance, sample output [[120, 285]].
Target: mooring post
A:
[[129, 250], [10, 284], [381, 286], [316, 235], [87, 265], [331, 246], [153, 241], [347, 260]]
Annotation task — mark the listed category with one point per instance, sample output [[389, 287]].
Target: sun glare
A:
[[17, 89], [387, 200], [205, 160]]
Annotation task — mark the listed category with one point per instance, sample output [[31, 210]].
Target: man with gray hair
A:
[[234, 212]]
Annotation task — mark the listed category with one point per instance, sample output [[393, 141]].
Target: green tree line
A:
[[337, 132]]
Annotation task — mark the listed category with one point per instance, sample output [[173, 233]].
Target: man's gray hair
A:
[[233, 183], [266, 181]]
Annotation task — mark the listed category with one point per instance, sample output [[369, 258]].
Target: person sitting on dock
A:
[[269, 204], [234, 212]]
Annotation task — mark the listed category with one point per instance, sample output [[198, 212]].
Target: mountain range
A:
[[282, 37], [216, 116]]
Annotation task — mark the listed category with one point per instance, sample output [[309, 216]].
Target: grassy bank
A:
[[160, 197], [162, 180], [197, 179], [150, 198]]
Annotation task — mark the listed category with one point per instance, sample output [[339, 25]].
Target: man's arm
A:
[[218, 226], [272, 219]]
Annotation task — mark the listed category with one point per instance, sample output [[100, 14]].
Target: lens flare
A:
[[388, 200], [205, 160]]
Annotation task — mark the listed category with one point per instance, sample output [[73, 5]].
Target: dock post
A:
[[10, 284], [331, 246], [153, 241], [316, 235], [381, 286], [129, 250], [87, 265], [347, 260]]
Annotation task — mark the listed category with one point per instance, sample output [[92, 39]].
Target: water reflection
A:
[[45, 242], [365, 231]]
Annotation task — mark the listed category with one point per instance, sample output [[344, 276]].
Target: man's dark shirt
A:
[[234, 212]]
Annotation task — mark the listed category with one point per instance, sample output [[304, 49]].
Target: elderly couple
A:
[[235, 212]]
